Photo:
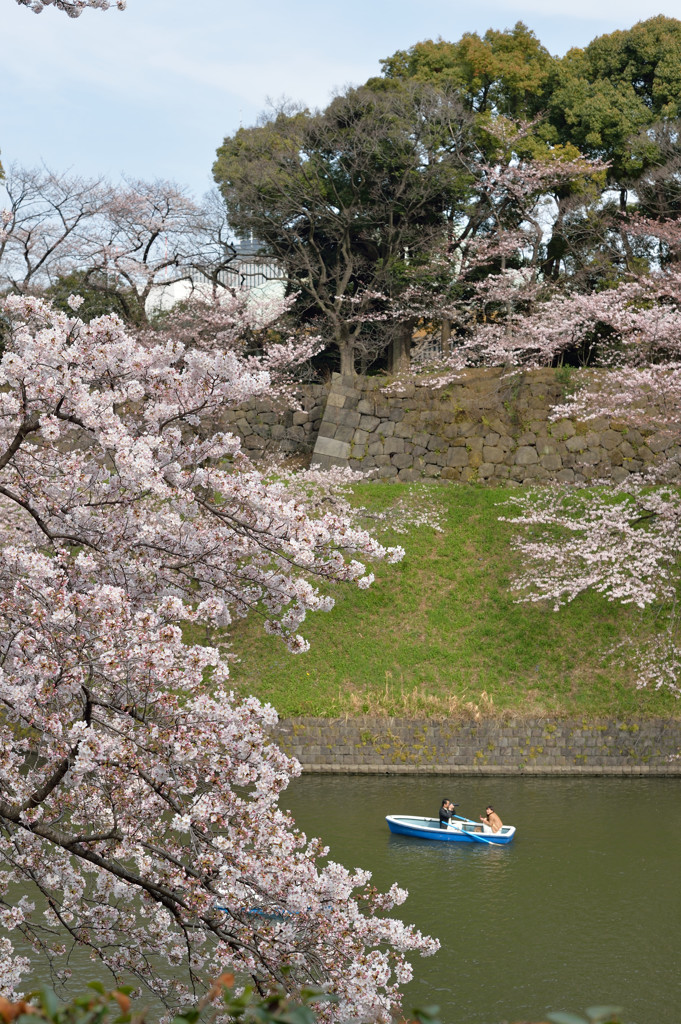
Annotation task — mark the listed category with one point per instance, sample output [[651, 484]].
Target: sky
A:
[[152, 91]]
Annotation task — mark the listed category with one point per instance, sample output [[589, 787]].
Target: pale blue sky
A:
[[151, 92]]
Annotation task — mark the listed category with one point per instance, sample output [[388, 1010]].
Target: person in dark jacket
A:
[[446, 812]]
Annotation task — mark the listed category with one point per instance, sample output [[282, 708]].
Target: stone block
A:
[[335, 399], [253, 442], [536, 473], [551, 462], [331, 447], [589, 458], [365, 407], [298, 418], [619, 474], [396, 415], [577, 443], [491, 439], [528, 438], [432, 471], [408, 476], [493, 455], [386, 472], [457, 457], [393, 445], [563, 429], [526, 456], [369, 422], [660, 443], [610, 439], [486, 470], [349, 418], [402, 460], [333, 414], [345, 434]]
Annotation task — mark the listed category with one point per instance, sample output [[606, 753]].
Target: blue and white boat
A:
[[459, 830]]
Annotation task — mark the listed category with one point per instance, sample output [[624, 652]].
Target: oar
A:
[[478, 838], [474, 835]]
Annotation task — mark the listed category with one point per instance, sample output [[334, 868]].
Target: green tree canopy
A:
[[501, 72], [347, 199], [603, 96]]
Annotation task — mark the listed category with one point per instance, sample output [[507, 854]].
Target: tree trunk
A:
[[446, 336], [346, 348], [399, 357]]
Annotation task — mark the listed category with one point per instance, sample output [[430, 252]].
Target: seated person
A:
[[492, 819]]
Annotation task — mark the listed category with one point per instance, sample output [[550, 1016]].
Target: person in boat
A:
[[446, 812], [492, 819]]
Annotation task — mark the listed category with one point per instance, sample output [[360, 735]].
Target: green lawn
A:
[[440, 634]]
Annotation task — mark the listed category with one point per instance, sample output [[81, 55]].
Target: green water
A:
[[583, 908]]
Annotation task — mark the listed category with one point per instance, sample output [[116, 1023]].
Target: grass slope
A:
[[440, 633]]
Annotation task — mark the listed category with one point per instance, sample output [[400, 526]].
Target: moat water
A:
[[582, 909]]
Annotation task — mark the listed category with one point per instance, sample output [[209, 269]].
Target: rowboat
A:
[[460, 830]]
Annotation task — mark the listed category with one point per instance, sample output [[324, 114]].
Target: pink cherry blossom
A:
[[139, 797]]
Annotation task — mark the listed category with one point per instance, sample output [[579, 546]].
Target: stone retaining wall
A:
[[266, 428], [488, 426], [496, 747]]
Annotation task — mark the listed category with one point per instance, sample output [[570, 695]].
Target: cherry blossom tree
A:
[[623, 540], [125, 242], [154, 232], [47, 221], [139, 798], [74, 8]]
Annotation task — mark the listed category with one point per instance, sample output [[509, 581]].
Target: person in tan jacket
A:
[[492, 819]]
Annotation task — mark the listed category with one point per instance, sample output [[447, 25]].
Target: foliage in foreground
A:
[[223, 1001]]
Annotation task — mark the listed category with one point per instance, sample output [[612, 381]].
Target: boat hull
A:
[[462, 832]]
